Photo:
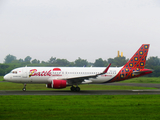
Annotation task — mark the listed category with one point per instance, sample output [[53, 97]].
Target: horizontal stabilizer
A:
[[142, 71]]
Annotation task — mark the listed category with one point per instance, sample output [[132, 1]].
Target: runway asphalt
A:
[[83, 92]]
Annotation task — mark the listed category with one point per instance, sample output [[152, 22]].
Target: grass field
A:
[[120, 107], [1, 78], [143, 80]]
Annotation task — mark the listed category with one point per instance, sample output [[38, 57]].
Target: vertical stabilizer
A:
[[139, 58], [135, 64]]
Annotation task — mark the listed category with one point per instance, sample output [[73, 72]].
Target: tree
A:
[[20, 60], [153, 61], [52, 60], [155, 72], [27, 59], [35, 61], [119, 61], [43, 62], [9, 58], [71, 64], [81, 62], [110, 60], [100, 63], [62, 62]]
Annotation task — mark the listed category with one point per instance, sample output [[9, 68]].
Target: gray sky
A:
[[69, 29]]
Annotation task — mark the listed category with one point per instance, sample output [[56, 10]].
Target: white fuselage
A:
[[47, 74]]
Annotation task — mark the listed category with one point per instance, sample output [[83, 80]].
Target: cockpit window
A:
[[14, 72]]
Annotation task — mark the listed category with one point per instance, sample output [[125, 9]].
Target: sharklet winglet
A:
[[105, 71]]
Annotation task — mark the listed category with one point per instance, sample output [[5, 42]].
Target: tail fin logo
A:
[[136, 63], [136, 58], [146, 46], [139, 58]]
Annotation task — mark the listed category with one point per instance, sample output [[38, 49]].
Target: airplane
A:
[[61, 77]]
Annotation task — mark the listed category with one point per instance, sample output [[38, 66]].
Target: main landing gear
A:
[[75, 89], [24, 89]]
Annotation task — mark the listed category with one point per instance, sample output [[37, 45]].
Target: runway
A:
[[83, 92]]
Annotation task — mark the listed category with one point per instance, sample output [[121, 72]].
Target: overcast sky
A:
[[89, 29]]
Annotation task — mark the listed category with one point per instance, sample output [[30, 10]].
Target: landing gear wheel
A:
[[24, 89], [77, 89], [73, 89]]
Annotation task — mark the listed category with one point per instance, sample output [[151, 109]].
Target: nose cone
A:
[[6, 77]]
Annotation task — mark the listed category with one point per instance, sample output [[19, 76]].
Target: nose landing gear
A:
[[24, 88]]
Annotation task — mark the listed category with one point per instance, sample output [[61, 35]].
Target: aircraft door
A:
[[65, 74], [24, 75]]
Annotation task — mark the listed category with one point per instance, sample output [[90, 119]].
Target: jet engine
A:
[[57, 84]]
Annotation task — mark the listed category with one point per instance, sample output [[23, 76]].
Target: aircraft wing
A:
[[78, 80]]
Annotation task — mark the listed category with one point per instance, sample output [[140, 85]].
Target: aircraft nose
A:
[[6, 77]]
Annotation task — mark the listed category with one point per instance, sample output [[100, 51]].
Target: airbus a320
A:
[[61, 77]]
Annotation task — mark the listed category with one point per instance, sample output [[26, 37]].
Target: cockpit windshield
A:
[[13, 72]]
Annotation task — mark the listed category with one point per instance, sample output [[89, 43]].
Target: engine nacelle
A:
[[57, 84]]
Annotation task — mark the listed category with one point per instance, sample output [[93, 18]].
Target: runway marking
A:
[[137, 90]]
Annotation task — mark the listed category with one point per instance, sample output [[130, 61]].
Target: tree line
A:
[[11, 62]]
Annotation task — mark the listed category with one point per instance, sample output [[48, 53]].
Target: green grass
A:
[[19, 86], [1, 78], [143, 80], [120, 107]]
